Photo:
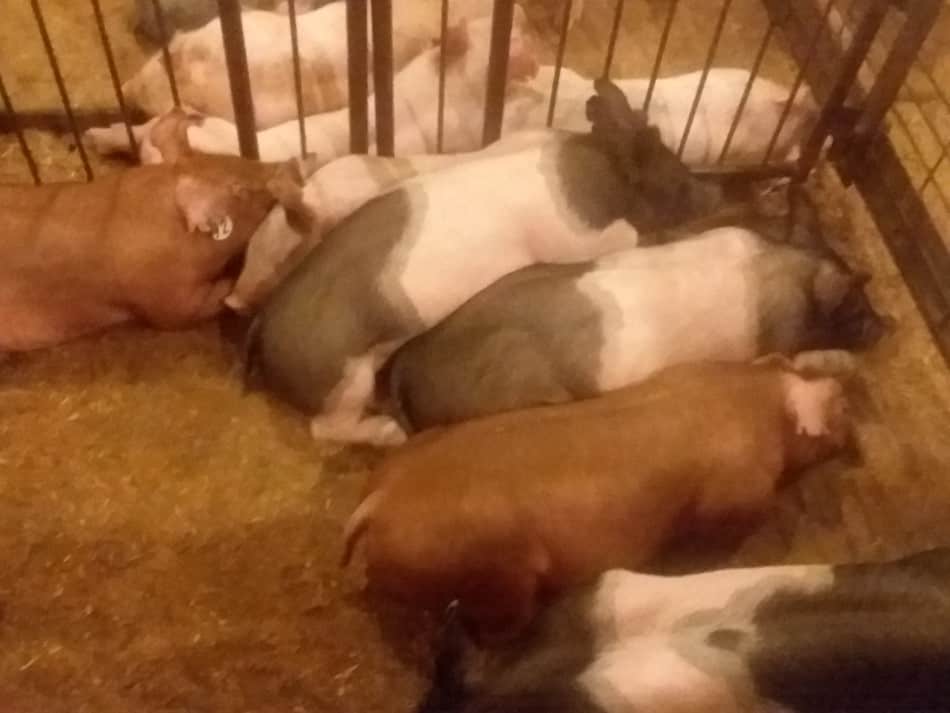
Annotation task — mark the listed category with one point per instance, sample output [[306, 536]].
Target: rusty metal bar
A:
[[166, 55], [891, 76], [559, 62], [440, 117], [753, 74], [357, 57], [232, 33], [21, 139], [382, 11], [796, 85], [710, 55], [114, 75], [661, 50], [61, 86], [847, 74], [502, 20], [612, 42], [752, 172], [298, 83]]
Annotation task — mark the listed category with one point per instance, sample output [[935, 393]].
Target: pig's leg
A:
[[345, 420], [619, 235]]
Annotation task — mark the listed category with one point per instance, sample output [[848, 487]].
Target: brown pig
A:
[[504, 511], [151, 243]]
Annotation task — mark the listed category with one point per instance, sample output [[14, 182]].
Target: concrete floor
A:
[[170, 544]]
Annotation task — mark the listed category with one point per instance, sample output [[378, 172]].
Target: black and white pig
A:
[[855, 638], [554, 333], [405, 260]]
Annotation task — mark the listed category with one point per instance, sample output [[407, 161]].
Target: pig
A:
[[150, 244], [337, 189], [415, 111], [872, 637], [554, 333], [488, 512], [200, 69], [670, 107], [413, 255]]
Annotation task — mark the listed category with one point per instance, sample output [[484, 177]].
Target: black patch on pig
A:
[[337, 303], [535, 673], [599, 191], [531, 338], [726, 639], [876, 641]]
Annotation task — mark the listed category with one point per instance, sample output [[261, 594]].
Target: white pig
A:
[[201, 71], [555, 333], [415, 106], [329, 196], [405, 260], [670, 106]]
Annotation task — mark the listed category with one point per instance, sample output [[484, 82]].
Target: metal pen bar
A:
[[114, 75], [383, 76], [21, 139], [743, 100], [232, 33], [502, 20], [443, 30], [61, 86], [612, 41], [796, 85], [713, 46], [166, 55], [891, 76], [661, 50], [357, 51], [559, 62], [847, 73], [298, 82]]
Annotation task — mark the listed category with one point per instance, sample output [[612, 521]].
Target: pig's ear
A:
[[169, 135], [203, 205], [457, 40], [522, 59], [609, 109], [286, 188], [831, 285]]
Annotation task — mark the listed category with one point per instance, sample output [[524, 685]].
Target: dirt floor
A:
[[171, 544]]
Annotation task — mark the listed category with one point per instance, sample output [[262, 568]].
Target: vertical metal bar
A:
[[713, 46], [559, 62], [756, 65], [443, 30], [21, 139], [166, 55], [612, 42], [114, 75], [232, 33], [851, 64], [357, 51], [382, 11], [502, 20], [61, 86], [298, 83], [660, 51], [899, 61], [796, 85]]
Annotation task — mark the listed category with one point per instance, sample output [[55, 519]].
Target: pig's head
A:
[[818, 423], [842, 317], [663, 182], [223, 199], [284, 235], [468, 44]]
